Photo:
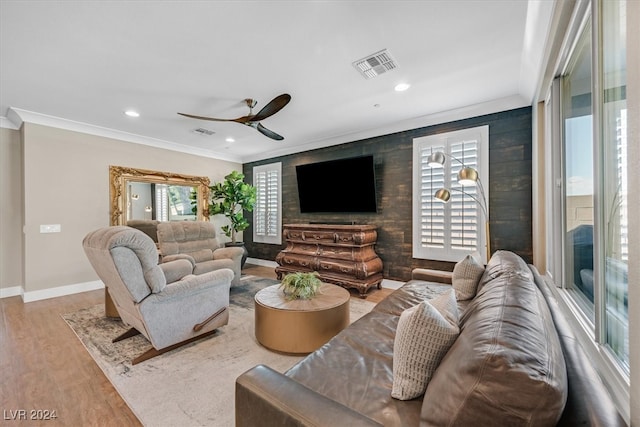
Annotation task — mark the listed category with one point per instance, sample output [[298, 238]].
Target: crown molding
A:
[[6, 123], [481, 109], [18, 117]]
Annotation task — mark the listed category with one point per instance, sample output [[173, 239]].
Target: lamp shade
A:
[[468, 176], [443, 195], [436, 160]]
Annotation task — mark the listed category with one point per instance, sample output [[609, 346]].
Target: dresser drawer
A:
[[319, 236], [335, 266], [338, 252], [358, 270], [293, 234], [303, 262], [304, 248], [357, 237]]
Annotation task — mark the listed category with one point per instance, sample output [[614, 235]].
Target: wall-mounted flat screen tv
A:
[[343, 185]]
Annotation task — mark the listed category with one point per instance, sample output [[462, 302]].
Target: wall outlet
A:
[[50, 228]]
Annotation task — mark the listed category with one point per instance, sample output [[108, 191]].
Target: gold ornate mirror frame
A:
[[120, 176]]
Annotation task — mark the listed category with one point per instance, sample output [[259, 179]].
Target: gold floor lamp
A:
[[466, 176]]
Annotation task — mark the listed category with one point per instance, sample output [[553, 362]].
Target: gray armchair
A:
[[196, 242], [166, 303]]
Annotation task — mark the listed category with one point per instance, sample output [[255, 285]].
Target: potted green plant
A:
[[231, 198], [301, 285]]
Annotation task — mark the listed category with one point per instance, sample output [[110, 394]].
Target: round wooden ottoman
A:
[[300, 326]]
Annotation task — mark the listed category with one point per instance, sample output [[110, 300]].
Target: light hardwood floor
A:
[[44, 367]]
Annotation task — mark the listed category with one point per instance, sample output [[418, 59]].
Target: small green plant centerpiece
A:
[[301, 285]]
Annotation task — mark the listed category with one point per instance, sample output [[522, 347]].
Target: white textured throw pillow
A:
[[424, 335], [466, 276]]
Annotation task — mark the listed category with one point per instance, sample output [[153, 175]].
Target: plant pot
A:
[[245, 253]]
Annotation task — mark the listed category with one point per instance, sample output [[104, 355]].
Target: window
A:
[[267, 214], [613, 255], [449, 231], [577, 126], [162, 202], [593, 180]]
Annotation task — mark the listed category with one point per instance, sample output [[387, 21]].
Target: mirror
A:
[[164, 196]]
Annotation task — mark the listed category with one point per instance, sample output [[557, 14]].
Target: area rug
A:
[[192, 385]]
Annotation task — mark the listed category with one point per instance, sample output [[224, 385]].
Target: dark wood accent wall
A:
[[509, 183]]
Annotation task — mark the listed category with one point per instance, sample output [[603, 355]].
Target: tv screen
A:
[[344, 185]]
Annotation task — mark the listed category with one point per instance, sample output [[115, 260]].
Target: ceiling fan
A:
[[252, 120]]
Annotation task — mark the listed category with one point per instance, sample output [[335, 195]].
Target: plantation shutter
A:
[[267, 212], [448, 231], [464, 210], [162, 203], [432, 211]]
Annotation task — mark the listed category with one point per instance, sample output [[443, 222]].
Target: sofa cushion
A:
[[186, 237], [362, 357], [424, 334], [466, 276], [507, 365]]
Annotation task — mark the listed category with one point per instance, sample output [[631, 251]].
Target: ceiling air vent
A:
[[203, 131], [376, 64]]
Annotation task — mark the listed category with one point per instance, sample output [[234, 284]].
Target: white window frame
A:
[[445, 140], [589, 333], [276, 209]]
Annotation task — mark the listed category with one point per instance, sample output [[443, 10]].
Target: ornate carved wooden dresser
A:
[[342, 254]]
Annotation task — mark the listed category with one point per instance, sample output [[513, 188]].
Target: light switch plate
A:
[[50, 228]]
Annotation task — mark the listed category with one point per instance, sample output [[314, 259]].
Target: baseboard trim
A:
[[61, 291], [262, 262], [12, 291], [391, 284]]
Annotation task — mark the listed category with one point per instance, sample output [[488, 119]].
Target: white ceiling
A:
[[88, 61]]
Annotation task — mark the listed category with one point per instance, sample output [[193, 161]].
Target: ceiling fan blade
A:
[[213, 119], [266, 132], [272, 107]]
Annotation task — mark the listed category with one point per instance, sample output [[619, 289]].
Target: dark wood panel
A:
[[509, 187]]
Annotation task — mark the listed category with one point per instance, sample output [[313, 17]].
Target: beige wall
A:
[[66, 182], [10, 209]]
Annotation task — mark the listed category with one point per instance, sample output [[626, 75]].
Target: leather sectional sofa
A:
[[516, 362]]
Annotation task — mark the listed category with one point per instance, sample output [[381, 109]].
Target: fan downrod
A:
[[250, 103]]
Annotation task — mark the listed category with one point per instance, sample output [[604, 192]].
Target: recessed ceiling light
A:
[[229, 139], [401, 87], [132, 113]]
